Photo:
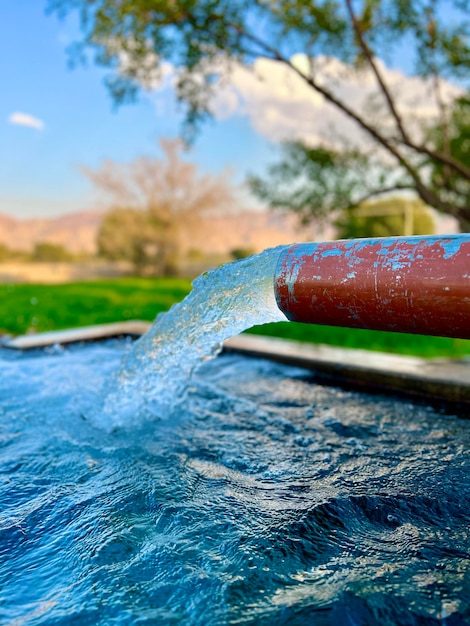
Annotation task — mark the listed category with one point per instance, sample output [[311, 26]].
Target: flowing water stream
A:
[[223, 303]]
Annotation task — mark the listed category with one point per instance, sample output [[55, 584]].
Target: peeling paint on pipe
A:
[[403, 284]]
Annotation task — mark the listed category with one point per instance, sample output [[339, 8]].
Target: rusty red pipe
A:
[[403, 284]]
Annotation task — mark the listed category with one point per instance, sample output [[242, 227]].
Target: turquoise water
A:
[[266, 499]]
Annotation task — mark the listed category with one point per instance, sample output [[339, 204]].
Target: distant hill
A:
[[75, 231], [255, 230], [219, 234]]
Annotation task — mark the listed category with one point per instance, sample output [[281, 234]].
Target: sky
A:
[[54, 119]]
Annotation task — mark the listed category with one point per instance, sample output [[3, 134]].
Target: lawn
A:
[[27, 307]]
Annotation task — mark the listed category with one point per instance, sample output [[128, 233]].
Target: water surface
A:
[[263, 498]]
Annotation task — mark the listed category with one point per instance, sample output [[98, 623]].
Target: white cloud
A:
[[281, 105], [24, 119]]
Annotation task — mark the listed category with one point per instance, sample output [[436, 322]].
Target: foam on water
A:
[[224, 302]]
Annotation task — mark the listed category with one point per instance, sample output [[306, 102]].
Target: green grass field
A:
[[26, 307]]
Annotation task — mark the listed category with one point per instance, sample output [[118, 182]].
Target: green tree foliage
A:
[[203, 39], [5, 253], [386, 217], [314, 182], [155, 205], [133, 235], [241, 253], [453, 138], [50, 253]]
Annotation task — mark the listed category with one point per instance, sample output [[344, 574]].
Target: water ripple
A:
[[264, 499]]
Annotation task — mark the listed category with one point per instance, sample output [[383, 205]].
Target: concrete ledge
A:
[[72, 335], [442, 380]]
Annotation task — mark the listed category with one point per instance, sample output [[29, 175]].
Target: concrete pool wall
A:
[[443, 380]]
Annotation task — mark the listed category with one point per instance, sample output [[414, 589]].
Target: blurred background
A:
[[144, 142]]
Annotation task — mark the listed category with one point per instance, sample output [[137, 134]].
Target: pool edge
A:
[[442, 380]]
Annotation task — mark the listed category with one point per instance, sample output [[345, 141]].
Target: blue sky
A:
[[77, 123], [39, 168]]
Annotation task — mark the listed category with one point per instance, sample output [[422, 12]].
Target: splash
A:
[[224, 302]]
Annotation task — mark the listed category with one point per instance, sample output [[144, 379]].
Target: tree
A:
[[242, 253], [5, 253], [132, 235], [45, 252], [387, 217], [154, 204], [454, 139], [203, 39], [317, 182]]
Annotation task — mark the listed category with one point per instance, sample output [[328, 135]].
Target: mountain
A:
[[74, 231], [255, 230], [77, 232]]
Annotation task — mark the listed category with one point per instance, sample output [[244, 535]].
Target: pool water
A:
[[263, 498]]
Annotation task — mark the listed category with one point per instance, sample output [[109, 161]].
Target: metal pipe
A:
[[403, 284]]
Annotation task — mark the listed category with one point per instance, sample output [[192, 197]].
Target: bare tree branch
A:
[[374, 193], [380, 80]]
